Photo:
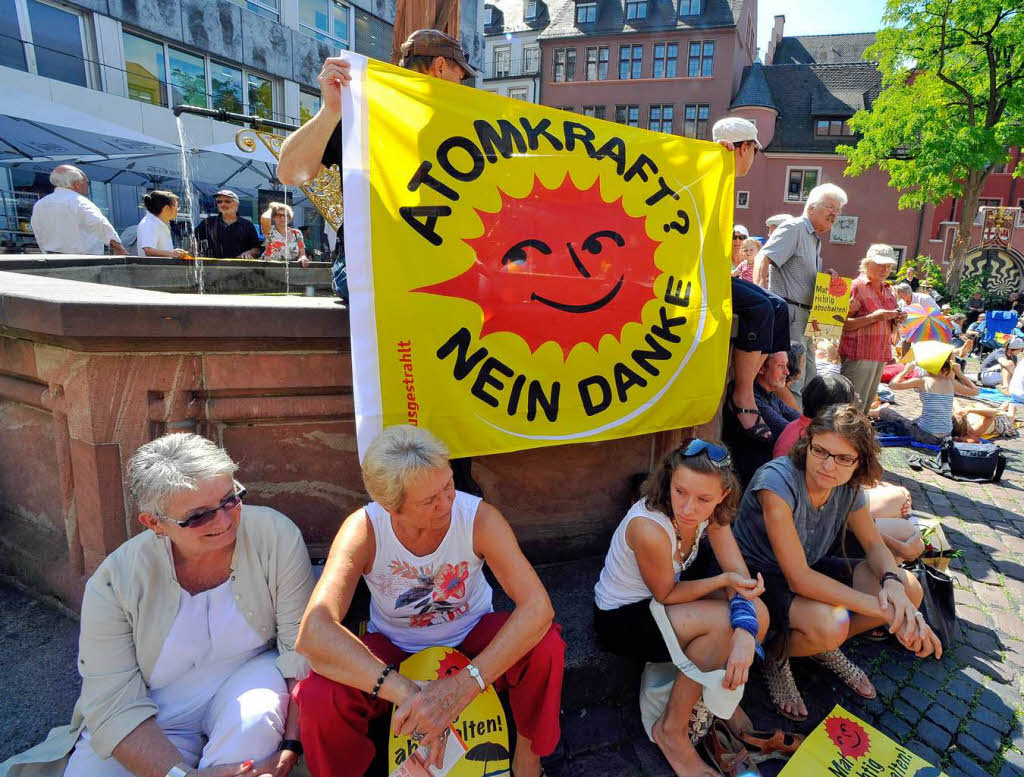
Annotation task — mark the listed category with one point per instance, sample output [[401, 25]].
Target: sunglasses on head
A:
[[196, 520], [716, 454]]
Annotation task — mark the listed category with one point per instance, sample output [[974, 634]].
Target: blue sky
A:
[[814, 17]]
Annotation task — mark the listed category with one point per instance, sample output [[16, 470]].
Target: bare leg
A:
[[888, 501], [746, 365], [525, 763], [901, 537]]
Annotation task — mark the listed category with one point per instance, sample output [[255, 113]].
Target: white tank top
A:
[[621, 582], [422, 601]]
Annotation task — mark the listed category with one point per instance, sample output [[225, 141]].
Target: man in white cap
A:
[[738, 135], [866, 346], [772, 222], [227, 235]]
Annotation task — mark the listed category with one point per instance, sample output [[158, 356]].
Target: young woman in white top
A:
[[657, 552], [154, 235]]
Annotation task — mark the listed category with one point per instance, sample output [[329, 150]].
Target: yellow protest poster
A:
[[481, 728], [830, 307], [522, 276], [843, 745]]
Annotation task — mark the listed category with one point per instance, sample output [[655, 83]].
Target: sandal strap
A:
[[844, 668], [781, 685]]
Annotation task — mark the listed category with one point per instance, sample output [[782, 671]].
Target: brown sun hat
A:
[[434, 43]]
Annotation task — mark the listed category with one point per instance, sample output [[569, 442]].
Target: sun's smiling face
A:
[[558, 265]]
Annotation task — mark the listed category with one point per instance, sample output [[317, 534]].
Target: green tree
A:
[[952, 103]]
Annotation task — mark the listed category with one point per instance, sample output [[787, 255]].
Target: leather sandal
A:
[[847, 671], [770, 744], [760, 431], [727, 753], [782, 687]]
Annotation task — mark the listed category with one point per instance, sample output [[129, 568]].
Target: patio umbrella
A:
[[487, 752], [925, 323]]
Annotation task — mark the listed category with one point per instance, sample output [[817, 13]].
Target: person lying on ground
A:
[[673, 546], [421, 546], [974, 423], [943, 379], [790, 519], [997, 369], [890, 505], [187, 635]]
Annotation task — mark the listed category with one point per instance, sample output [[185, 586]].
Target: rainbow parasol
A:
[[926, 323]]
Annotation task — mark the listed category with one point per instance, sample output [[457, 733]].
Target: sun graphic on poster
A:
[[558, 265]]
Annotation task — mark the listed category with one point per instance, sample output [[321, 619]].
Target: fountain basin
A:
[[157, 273], [89, 372]]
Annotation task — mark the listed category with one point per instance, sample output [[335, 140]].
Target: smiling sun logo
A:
[[559, 265]]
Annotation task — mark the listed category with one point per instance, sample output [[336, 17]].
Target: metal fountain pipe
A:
[[221, 115]]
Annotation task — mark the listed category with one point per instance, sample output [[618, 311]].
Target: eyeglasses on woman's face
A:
[[842, 459], [196, 520]]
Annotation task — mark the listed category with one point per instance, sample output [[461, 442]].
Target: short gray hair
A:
[[905, 288], [67, 177], [174, 463], [825, 191], [395, 458]]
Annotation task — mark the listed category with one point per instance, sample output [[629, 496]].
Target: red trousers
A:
[[334, 718]]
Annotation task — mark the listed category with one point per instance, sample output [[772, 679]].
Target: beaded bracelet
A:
[[380, 680]]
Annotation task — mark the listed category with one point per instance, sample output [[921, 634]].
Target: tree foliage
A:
[[952, 102]]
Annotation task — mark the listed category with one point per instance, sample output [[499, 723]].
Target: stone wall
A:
[[89, 372]]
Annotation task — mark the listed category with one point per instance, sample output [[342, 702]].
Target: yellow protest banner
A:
[[843, 745], [830, 307], [522, 276]]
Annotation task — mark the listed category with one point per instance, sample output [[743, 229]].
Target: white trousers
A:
[[244, 719]]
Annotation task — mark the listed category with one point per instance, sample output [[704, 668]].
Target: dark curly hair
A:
[[853, 426], [657, 489]]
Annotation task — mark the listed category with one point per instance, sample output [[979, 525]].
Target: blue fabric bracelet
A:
[[742, 615]]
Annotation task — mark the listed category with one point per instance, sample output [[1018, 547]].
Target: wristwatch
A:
[[180, 769], [475, 674], [291, 744]]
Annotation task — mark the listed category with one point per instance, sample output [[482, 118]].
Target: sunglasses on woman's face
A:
[[738, 236], [199, 519]]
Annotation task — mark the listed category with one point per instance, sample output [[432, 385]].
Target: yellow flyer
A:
[[522, 276], [481, 729], [830, 307], [843, 745]]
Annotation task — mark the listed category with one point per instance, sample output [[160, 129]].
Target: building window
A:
[[309, 104], [690, 7], [531, 59], [986, 202], [628, 115], [659, 118], [502, 61], [597, 63], [160, 74], [519, 93], [636, 9], [1020, 216], [742, 199], [831, 127], [328, 20], [594, 111], [51, 41], [266, 8], [565, 108], [490, 15], [586, 13], [701, 59], [558, 65], [695, 120], [666, 58], [800, 181], [565, 65], [531, 9], [631, 60]]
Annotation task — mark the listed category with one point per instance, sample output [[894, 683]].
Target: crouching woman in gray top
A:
[[790, 530], [187, 635]]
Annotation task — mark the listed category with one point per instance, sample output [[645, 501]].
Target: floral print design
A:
[[437, 597]]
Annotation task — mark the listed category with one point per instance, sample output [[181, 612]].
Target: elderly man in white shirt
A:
[[67, 222]]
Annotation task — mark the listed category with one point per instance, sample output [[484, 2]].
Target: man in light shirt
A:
[[67, 222], [905, 295]]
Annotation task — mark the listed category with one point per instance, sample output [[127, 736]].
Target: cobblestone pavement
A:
[[964, 712]]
